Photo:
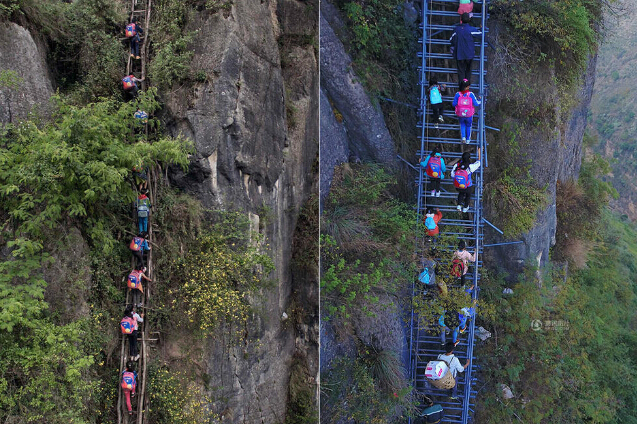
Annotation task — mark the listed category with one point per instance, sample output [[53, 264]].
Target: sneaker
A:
[[437, 194], [441, 119], [459, 208], [132, 55], [465, 210], [138, 57], [453, 397], [130, 412], [436, 125], [433, 193], [464, 140]]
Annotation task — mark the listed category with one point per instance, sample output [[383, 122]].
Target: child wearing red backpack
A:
[[138, 246], [465, 103], [461, 174], [129, 326], [461, 259], [133, 30], [128, 383], [134, 284], [435, 168]]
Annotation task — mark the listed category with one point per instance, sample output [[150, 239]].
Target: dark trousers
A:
[[134, 45], [132, 344], [435, 183], [464, 69], [136, 296], [139, 256], [464, 195], [436, 110]]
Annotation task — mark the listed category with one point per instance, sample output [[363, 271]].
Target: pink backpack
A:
[[464, 108]]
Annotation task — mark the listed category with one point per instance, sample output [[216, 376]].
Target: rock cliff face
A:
[[554, 147], [20, 53], [367, 134], [254, 123]]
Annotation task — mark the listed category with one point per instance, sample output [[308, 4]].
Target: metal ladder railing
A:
[[437, 27]]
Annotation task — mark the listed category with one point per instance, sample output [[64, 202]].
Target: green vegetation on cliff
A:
[[566, 353], [367, 269]]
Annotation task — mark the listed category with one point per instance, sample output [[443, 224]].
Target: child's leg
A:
[[463, 127], [128, 405], [468, 128], [468, 193]]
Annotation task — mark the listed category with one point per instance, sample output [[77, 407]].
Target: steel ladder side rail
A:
[[478, 216]]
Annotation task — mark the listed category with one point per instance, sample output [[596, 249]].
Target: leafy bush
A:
[[175, 398], [218, 273], [563, 32], [383, 47], [367, 241], [171, 63], [350, 391], [172, 55]]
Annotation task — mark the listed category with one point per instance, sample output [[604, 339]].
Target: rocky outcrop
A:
[[553, 149], [68, 275], [334, 145], [20, 53], [254, 123], [367, 133]]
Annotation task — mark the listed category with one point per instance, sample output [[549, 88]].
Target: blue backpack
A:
[[424, 277], [430, 223], [434, 95]]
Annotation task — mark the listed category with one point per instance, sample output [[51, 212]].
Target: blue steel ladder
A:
[[439, 18]]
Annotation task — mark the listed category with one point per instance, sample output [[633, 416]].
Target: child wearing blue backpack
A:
[[461, 174], [435, 168], [435, 100]]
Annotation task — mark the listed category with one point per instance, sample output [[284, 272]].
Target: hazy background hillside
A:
[[614, 105]]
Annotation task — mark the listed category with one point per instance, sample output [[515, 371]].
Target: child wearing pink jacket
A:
[[465, 257]]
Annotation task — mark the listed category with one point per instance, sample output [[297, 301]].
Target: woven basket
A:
[[446, 382]]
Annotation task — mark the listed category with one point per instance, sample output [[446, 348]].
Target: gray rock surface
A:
[[368, 136], [20, 53], [254, 124], [555, 151], [334, 145]]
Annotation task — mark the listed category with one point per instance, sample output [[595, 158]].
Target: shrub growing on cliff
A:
[[367, 236], [564, 32], [383, 47], [220, 271]]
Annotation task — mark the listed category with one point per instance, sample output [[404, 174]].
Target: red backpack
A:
[[127, 325], [462, 178], [434, 167], [131, 30], [134, 280], [464, 108], [128, 82], [136, 244], [128, 380], [457, 268]]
